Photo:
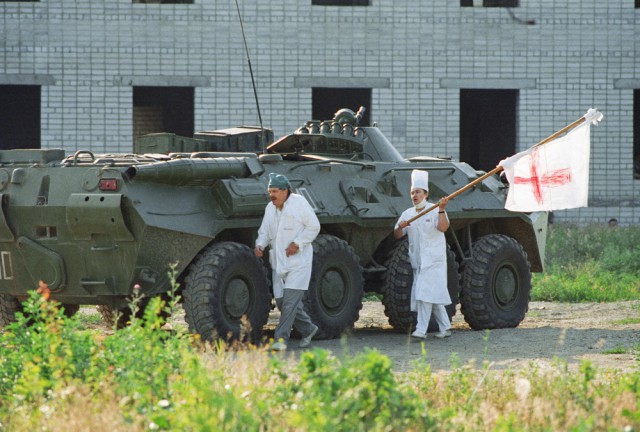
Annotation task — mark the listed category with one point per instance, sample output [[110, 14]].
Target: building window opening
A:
[[340, 2], [163, 1], [163, 109], [488, 120], [19, 117], [326, 101], [636, 134], [491, 3]]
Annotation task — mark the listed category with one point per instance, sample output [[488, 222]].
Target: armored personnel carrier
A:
[[94, 226]]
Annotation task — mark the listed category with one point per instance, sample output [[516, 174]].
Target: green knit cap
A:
[[278, 181]]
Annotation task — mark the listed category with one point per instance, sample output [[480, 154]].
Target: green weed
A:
[[372, 297], [590, 264], [569, 244], [359, 394], [89, 319], [57, 375], [627, 321], [619, 349]]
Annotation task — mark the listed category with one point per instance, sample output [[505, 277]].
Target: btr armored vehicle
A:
[[94, 226]]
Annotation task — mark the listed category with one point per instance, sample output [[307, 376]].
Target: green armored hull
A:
[[93, 227]]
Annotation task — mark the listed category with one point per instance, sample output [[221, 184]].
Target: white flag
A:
[[552, 176]]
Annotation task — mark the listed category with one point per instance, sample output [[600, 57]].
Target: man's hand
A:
[[397, 233], [442, 204], [258, 251], [292, 249]]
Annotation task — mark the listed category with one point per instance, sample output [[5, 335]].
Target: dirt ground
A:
[[550, 331], [570, 332]]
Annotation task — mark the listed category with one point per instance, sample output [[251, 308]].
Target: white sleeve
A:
[[263, 239], [310, 222]]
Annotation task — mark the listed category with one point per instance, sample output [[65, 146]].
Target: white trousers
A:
[[424, 315]]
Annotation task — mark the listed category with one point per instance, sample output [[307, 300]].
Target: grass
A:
[[57, 376], [618, 349], [60, 374], [90, 319], [590, 264], [372, 297], [627, 321]]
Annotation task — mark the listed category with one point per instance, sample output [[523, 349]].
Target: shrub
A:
[[360, 394], [42, 349], [569, 244], [590, 263]]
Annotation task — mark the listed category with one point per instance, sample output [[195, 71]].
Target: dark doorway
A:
[[340, 2], [492, 3], [19, 116], [163, 109], [636, 134], [487, 126], [326, 101]]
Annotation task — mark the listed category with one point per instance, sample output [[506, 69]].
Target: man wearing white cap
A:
[[428, 256], [288, 227]]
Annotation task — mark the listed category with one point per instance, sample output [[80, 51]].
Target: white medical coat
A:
[[296, 223], [428, 256]]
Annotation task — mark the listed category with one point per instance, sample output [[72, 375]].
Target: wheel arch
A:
[[530, 230]]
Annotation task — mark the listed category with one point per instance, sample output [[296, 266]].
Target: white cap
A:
[[419, 180]]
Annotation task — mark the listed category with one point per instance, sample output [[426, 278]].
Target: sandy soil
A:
[[570, 332], [550, 331]]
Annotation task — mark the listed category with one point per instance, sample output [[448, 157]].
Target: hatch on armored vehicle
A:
[[95, 226]]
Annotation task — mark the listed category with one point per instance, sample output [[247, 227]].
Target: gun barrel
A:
[[184, 171]]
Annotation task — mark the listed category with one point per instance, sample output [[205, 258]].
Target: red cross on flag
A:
[[552, 176]]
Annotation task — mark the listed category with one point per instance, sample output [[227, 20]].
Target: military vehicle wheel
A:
[[397, 289], [225, 283], [9, 305], [110, 315], [123, 315], [335, 292], [496, 284], [70, 309]]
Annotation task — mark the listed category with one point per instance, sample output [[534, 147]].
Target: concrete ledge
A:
[[162, 81], [626, 83], [27, 79], [341, 82], [488, 83]]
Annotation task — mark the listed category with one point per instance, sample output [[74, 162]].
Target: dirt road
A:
[[571, 332]]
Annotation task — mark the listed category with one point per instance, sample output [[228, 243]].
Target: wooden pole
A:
[[497, 169]]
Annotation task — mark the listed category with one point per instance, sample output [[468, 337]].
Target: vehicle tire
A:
[[225, 283], [110, 315], [9, 305], [123, 315], [70, 309], [496, 284], [397, 289], [334, 298]]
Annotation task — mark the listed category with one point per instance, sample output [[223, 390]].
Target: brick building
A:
[[473, 79]]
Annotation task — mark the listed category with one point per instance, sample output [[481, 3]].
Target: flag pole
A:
[[497, 169]]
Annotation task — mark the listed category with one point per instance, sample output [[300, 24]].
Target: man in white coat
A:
[[288, 227], [428, 256]]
